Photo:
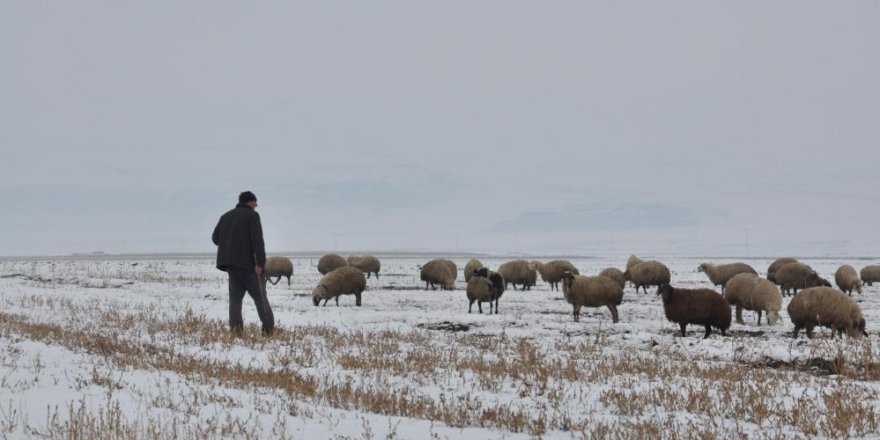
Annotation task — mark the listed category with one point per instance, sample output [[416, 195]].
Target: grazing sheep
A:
[[775, 265], [366, 263], [345, 280], [330, 262], [648, 273], [484, 285], [847, 279], [721, 273], [519, 272], [794, 276], [751, 292], [695, 306], [278, 267], [439, 271], [827, 307], [469, 268], [632, 261], [870, 274], [598, 291], [551, 271], [615, 274]]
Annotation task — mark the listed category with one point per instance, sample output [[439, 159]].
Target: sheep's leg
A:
[[326, 301], [337, 300], [496, 305], [470, 306], [683, 326], [357, 297], [377, 275], [797, 329], [759, 317], [613, 309], [480, 306], [739, 314], [810, 331], [708, 331], [288, 280], [577, 313]]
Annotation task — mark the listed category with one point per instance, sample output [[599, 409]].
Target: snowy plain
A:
[[137, 347]]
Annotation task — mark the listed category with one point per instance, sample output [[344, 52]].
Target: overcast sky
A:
[[699, 127]]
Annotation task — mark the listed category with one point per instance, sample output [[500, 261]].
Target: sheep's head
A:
[[318, 293], [823, 282], [567, 279], [627, 275], [702, 267], [481, 272], [772, 317], [858, 287]]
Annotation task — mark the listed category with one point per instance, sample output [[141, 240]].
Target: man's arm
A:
[[216, 235], [257, 240]]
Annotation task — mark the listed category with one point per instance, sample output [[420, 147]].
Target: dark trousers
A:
[[241, 281]]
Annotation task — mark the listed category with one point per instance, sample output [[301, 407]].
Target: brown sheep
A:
[[648, 273], [582, 291], [615, 274], [551, 271], [794, 276], [751, 292], [519, 272], [330, 262], [721, 273], [345, 280], [847, 279], [368, 264], [278, 267], [870, 274], [484, 285], [695, 306], [439, 271], [469, 268], [827, 307], [775, 265]]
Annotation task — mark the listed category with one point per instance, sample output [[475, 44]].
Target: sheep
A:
[[719, 274], [366, 263], [551, 271], [469, 268], [484, 285], [847, 279], [632, 261], [775, 265], [695, 306], [345, 280], [519, 272], [597, 291], [794, 276], [615, 274], [827, 307], [648, 273], [439, 271], [330, 262], [751, 292], [870, 274], [278, 267]]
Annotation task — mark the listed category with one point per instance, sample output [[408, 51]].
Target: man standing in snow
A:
[[242, 254]]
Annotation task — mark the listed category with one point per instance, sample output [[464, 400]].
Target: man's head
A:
[[248, 198]]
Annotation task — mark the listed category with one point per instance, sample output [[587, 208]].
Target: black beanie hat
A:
[[246, 196]]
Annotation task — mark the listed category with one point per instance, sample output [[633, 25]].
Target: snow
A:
[[143, 343]]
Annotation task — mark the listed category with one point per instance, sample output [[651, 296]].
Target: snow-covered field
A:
[[139, 348]]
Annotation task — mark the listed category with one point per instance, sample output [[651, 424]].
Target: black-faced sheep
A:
[[582, 291], [775, 265], [440, 272], [368, 264], [615, 274], [794, 276], [551, 271], [519, 272], [484, 286], [648, 273], [751, 292], [695, 306], [469, 268], [870, 274], [278, 267], [847, 279], [330, 262], [719, 274], [827, 307], [345, 280]]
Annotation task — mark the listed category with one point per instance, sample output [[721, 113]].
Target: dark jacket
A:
[[239, 237]]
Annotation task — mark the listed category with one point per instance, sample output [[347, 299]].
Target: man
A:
[[242, 254]]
